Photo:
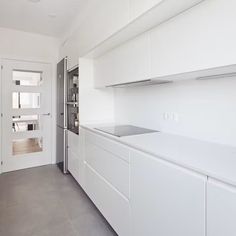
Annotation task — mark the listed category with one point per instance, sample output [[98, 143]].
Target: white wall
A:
[[96, 105], [32, 47], [22, 45], [206, 108]]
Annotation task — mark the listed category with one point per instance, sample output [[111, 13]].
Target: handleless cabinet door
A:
[[106, 179], [76, 155], [221, 209], [73, 154], [113, 206], [110, 160], [81, 169], [191, 41], [124, 64], [166, 200]]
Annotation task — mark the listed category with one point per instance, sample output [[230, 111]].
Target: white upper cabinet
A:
[[105, 71], [127, 63], [138, 7], [197, 39], [165, 199], [143, 16], [221, 209]]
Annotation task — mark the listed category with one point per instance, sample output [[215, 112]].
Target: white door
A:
[[26, 121]]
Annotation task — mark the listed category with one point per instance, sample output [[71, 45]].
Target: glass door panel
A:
[[22, 100], [27, 120], [27, 78], [25, 123], [26, 146]]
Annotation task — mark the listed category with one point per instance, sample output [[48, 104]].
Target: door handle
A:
[[47, 114]]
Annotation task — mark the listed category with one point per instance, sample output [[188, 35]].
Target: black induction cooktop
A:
[[124, 130]]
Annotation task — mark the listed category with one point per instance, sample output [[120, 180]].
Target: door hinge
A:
[[1, 67], [1, 162], [1, 115]]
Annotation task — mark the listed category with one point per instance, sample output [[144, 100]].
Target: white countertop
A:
[[211, 159]]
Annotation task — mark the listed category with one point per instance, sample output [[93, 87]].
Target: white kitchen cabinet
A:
[[105, 70], [109, 145], [106, 180], [113, 206], [144, 16], [124, 64], [221, 209], [73, 142], [73, 164], [191, 41], [76, 155], [139, 7], [165, 199], [107, 162], [174, 50], [73, 154]]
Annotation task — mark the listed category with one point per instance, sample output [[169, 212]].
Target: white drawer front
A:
[[112, 146], [112, 205], [114, 169], [73, 142], [73, 164]]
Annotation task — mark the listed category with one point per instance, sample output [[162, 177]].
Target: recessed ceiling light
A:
[[34, 1]]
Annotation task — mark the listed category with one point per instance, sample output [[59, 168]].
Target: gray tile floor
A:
[[44, 202]]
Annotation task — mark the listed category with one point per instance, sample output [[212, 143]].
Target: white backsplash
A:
[[202, 109]]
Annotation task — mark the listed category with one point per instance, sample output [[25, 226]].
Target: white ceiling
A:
[[34, 17]]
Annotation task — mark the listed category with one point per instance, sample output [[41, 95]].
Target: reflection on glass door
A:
[[27, 126], [29, 145], [25, 100], [26, 78], [23, 123]]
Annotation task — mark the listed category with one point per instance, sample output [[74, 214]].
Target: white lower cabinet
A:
[[165, 200], [141, 195], [113, 206], [76, 155], [106, 180], [73, 164], [110, 167], [221, 209], [125, 64]]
